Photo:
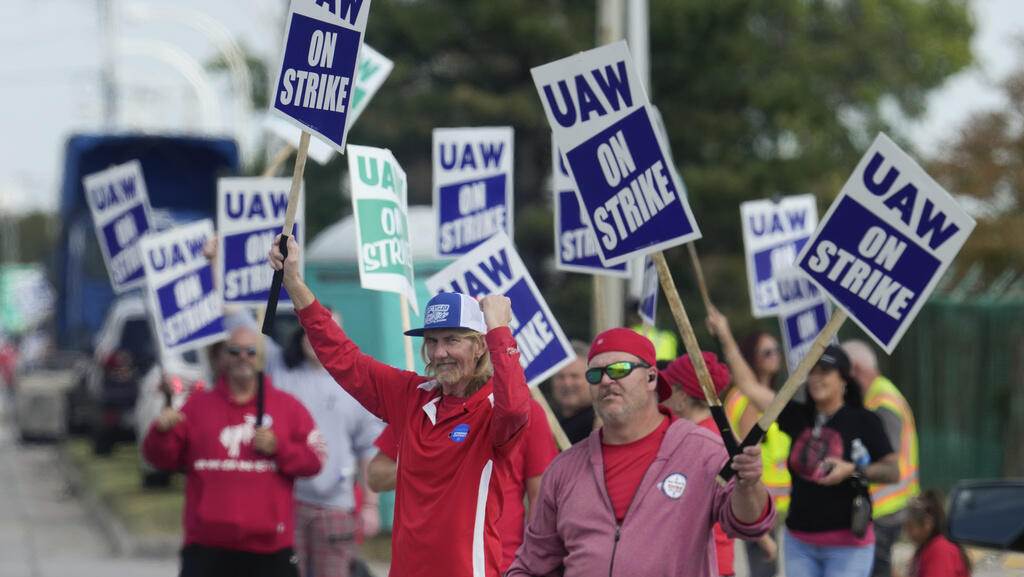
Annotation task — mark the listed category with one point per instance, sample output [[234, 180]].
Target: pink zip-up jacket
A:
[[667, 527]]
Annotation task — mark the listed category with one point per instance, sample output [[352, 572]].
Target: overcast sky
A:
[[51, 56]]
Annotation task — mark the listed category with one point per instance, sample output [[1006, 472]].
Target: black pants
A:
[[200, 561]]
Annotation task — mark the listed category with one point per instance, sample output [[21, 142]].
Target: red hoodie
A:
[[235, 497]]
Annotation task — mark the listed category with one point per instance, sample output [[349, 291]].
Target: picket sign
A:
[[889, 212], [602, 122], [120, 209], [250, 212], [575, 242], [380, 208], [318, 66], [803, 312], [472, 186], [184, 305], [774, 231], [372, 70]]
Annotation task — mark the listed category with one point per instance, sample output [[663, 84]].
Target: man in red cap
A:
[[645, 485], [688, 402]]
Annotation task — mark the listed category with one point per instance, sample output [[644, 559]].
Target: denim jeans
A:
[[805, 560]]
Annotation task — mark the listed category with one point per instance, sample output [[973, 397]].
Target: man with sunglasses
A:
[[238, 514], [639, 496], [457, 429]]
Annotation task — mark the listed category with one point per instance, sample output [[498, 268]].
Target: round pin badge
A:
[[674, 485], [459, 433]]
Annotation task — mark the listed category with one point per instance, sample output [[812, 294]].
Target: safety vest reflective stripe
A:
[[890, 498]]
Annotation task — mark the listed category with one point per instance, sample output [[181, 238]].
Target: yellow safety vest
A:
[[774, 451], [665, 343], [890, 498]]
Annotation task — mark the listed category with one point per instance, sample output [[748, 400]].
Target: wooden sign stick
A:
[[286, 231], [790, 387], [278, 160], [700, 275], [261, 350], [693, 349], [561, 439]]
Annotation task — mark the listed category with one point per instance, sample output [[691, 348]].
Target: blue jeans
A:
[[805, 560]]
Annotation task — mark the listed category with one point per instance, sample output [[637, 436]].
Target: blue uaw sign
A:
[[885, 242], [250, 213], [119, 203], [472, 186], [494, 267], [602, 121], [803, 312], [773, 234], [186, 308], [648, 306], [321, 47], [575, 243]]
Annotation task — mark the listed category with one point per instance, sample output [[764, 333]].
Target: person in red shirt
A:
[[936, 556], [687, 402], [457, 428], [529, 462], [238, 513]]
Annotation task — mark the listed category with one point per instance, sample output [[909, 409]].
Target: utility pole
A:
[[108, 86], [609, 292]]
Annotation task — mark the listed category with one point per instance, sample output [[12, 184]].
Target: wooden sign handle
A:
[[693, 350], [700, 275], [286, 231], [561, 439], [789, 388]]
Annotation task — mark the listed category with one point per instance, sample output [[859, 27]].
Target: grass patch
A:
[[117, 481]]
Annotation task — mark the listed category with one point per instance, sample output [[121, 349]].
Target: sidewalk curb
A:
[[122, 542]]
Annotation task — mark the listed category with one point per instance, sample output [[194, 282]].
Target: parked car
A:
[[988, 513], [180, 375], [125, 350]]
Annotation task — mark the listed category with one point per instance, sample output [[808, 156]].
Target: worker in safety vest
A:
[[889, 501]]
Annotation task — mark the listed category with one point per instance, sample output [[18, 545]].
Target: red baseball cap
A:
[[625, 340], [681, 372]]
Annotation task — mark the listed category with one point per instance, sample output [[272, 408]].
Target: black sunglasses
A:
[[614, 371], [235, 350]]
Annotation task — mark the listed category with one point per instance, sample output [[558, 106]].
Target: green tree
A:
[[985, 162]]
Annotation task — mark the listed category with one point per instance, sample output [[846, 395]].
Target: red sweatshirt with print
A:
[[235, 497]]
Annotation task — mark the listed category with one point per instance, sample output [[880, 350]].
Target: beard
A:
[[448, 374]]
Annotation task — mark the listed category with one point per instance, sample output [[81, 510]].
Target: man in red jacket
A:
[[458, 428], [238, 486]]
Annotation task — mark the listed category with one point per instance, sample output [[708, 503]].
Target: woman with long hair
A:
[[838, 448], [936, 556]]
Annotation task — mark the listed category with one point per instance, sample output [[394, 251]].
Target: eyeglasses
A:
[[614, 371], [235, 350]]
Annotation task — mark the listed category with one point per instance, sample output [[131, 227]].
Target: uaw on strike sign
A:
[[186, 308], [119, 203], [803, 312], [472, 186], [495, 267], [575, 243], [379, 197], [250, 213], [315, 82], [773, 234], [601, 119], [885, 242]]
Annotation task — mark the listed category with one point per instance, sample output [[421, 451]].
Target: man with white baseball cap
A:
[[456, 427]]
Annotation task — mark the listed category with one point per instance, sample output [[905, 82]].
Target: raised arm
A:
[[743, 376], [511, 393]]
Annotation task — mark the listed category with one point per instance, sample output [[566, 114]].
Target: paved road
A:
[[44, 530]]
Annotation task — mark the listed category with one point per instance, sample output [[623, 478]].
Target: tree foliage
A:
[[759, 97], [985, 162]]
